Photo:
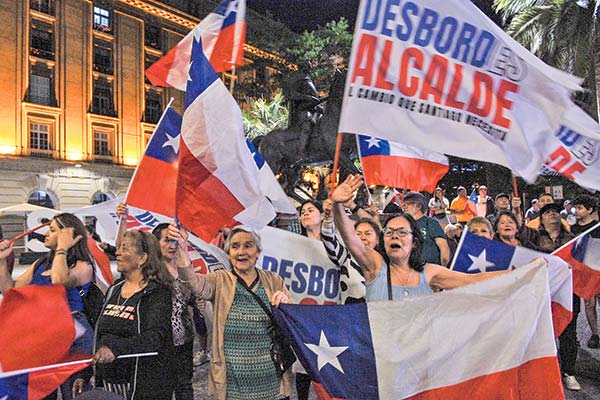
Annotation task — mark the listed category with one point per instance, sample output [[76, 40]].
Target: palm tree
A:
[[564, 34]]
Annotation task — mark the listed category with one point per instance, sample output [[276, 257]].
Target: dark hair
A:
[[317, 205], [154, 268], [545, 194], [414, 260], [80, 251], [417, 198], [379, 247], [587, 201], [157, 231], [508, 214]]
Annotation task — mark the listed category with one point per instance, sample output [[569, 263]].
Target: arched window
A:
[[101, 197], [41, 198]]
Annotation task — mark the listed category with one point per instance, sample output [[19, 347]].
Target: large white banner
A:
[[302, 263], [440, 75]]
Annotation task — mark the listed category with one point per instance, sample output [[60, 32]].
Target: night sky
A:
[[301, 15]]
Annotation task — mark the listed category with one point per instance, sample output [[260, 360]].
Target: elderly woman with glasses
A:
[[241, 365], [399, 272]]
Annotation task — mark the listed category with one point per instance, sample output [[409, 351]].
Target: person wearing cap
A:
[[435, 245], [503, 202], [544, 199], [568, 212], [485, 204], [586, 209], [241, 365], [438, 205], [552, 235], [532, 212], [460, 206]]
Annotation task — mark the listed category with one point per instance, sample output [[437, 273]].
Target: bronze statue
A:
[[287, 150]]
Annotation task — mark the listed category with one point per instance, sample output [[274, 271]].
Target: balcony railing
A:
[[42, 53], [40, 153]]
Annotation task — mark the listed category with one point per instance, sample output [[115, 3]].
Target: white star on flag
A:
[[327, 354], [373, 142], [480, 262], [173, 142]]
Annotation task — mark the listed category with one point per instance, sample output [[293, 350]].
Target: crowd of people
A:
[[142, 340]]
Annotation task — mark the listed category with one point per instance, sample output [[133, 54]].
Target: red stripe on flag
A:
[[222, 53], [102, 266], [403, 172], [36, 327], [158, 72], [586, 280], [536, 379], [204, 203], [42, 383], [561, 317], [154, 186]]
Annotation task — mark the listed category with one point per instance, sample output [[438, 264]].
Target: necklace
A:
[[124, 300]]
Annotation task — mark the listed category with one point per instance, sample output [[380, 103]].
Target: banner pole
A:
[[336, 162], [22, 235]]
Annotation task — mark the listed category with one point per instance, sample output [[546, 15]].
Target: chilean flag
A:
[[492, 339], [218, 181], [152, 186], [37, 330], [223, 34], [102, 272], [269, 183], [477, 254], [583, 254], [393, 164]]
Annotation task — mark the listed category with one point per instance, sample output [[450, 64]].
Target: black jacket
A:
[[153, 375]]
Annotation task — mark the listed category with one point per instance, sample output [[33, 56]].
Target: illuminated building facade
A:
[[75, 109]]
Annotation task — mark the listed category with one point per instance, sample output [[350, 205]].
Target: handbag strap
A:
[[389, 282], [256, 297]]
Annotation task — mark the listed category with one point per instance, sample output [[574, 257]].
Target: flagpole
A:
[[336, 162], [67, 364], [22, 235], [232, 79], [576, 238]]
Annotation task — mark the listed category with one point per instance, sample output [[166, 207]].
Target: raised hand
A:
[[6, 248], [65, 238], [122, 210], [345, 192]]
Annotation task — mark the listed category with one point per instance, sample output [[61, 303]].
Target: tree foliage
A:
[[325, 47], [265, 115], [563, 33]]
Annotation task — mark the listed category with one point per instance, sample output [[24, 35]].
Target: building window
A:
[[103, 98], [43, 6], [152, 36], [149, 59], [101, 197], [39, 140], [102, 20], [103, 60], [39, 90], [42, 40], [41, 198], [153, 107], [102, 143]]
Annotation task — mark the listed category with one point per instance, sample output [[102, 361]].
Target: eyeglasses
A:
[[400, 231]]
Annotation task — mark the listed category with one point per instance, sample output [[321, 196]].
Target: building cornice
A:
[[52, 167]]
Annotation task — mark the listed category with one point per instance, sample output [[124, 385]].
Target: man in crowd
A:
[[585, 213], [460, 206], [552, 235], [532, 212], [485, 204], [504, 202], [435, 247], [568, 212]]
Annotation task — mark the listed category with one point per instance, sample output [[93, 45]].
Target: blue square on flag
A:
[[335, 345], [258, 158], [371, 146], [164, 144], [479, 254]]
